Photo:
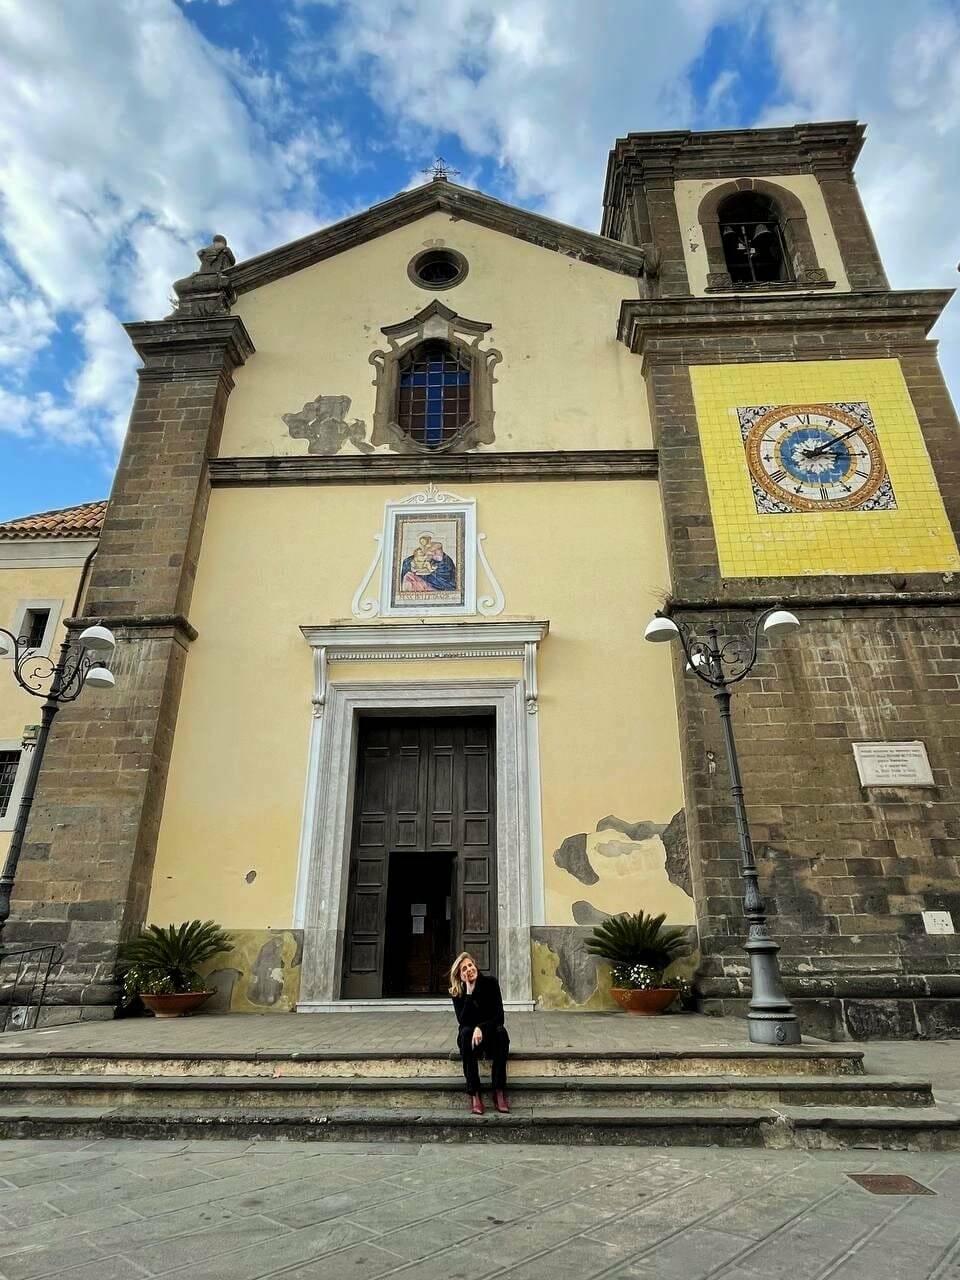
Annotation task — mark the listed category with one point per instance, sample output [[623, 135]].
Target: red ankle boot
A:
[[500, 1100], [476, 1104]]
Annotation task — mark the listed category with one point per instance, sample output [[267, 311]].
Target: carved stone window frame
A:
[[801, 252], [434, 322]]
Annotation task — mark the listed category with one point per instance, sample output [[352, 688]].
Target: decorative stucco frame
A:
[[465, 336], [320, 905], [801, 253]]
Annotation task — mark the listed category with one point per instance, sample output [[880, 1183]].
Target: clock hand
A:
[[836, 440]]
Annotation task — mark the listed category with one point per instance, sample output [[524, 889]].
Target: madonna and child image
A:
[[428, 561]]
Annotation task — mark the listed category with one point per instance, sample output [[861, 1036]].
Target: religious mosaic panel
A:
[[427, 564], [430, 560]]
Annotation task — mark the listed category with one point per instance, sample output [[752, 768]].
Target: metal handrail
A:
[[22, 998]]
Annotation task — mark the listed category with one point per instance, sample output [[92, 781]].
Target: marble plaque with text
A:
[[893, 764]]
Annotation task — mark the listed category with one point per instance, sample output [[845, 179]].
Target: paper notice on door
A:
[[418, 908], [418, 924]]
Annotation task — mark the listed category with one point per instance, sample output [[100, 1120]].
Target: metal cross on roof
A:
[[440, 170]]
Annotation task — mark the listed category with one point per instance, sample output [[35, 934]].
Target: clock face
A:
[[815, 457]]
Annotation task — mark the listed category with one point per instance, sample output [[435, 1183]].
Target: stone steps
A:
[[751, 1063], [446, 1093], [205, 1081], [806, 1128]]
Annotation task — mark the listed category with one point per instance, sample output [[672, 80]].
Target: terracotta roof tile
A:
[[84, 521]]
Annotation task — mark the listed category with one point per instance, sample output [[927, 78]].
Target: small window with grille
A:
[[34, 627], [434, 399], [752, 239], [9, 763]]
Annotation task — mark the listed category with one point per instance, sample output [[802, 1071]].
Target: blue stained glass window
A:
[[434, 393]]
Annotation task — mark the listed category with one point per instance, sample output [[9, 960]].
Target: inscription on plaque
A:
[[892, 764]]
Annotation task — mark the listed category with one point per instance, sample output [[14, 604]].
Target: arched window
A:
[[752, 239], [434, 399]]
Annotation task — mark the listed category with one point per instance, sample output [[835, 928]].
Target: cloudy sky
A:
[[130, 130]]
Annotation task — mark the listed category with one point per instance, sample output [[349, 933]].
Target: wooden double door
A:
[[423, 856]]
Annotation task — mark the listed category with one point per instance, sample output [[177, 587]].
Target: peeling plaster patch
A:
[[266, 977], [625, 865], [564, 976], [323, 422], [632, 830], [613, 848], [586, 913], [260, 974], [572, 857], [674, 837], [222, 981]]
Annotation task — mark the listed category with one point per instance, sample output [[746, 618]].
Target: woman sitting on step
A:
[[479, 1008]]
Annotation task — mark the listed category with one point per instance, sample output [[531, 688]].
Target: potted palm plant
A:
[[162, 966], [638, 949]]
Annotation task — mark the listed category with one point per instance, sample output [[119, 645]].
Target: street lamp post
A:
[[56, 682], [770, 1019]]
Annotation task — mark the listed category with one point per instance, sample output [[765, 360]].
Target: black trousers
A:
[[495, 1046]]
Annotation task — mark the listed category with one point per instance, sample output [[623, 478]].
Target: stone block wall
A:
[[87, 861], [845, 870]]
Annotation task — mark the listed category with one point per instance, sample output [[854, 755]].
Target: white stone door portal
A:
[[321, 899]]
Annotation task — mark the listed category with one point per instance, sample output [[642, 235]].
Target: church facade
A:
[[395, 506]]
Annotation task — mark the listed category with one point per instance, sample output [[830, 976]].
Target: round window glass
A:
[[437, 269]]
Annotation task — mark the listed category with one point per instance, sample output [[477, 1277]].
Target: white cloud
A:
[[125, 140], [531, 85], [26, 324], [896, 67], [539, 86]]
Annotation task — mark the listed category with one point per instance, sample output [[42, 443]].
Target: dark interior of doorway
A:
[[419, 924]]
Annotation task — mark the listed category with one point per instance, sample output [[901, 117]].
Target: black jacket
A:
[[483, 1009]]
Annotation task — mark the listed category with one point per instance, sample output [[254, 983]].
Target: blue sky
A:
[[130, 130]]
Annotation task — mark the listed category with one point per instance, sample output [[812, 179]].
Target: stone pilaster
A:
[[88, 857]]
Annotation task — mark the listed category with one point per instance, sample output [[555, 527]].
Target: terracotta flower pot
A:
[[174, 1004], [647, 1003]]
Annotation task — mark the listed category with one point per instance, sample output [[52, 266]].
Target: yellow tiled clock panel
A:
[[901, 525]]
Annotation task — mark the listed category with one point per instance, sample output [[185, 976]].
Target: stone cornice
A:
[[416, 637], [691, 319], [445, 197], [908, 601], [830, 147], [167, 623], [190, 348], [605, 464]]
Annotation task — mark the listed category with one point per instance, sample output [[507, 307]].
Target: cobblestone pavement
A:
[[224, 1210]]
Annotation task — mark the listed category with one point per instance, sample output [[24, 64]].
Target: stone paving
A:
[[222, 1210], [250, 1033]]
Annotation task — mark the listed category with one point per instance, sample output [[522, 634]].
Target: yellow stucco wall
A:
[[915, 537], [18, 709], [314, 332], [690, 193], [587, 556]]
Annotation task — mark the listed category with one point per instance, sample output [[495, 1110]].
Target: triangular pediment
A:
[[444, 196]]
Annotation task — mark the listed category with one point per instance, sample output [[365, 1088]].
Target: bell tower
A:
[[809, 455]]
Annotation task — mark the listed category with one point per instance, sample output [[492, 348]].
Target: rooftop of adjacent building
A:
[[82, 521]]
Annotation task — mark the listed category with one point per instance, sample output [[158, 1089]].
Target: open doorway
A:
[[418, 946]]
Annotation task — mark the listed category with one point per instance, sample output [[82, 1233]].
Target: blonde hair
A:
[[456, 986]]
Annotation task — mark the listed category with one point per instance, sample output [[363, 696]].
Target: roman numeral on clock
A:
[[824, 492], [778, 475]]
